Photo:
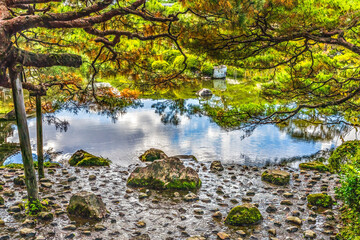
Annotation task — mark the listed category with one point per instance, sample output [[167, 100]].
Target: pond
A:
[[144, 127]]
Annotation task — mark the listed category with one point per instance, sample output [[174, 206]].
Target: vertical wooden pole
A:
[[39, 137], [23, 131]]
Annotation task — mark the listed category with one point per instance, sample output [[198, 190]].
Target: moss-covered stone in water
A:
[[169, 173], [320, 200], [348, 152], [152, 154], [84, 159], [276, 177], [319, 166], [245, 214], [2, 200]]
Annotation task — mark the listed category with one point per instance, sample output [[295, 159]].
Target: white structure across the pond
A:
[[220, 71]]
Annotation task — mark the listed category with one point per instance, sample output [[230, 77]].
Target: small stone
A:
[[69, 227], [92, 177], [286, 202], [14, 209], [272, 231], [9, 193], [46, 184], [222, 235], [143, 195], [71, 179], [140, 224], [46, 216], [271, 209], [216, 166], [288, 195], [198, 211], [191, 197], [294, 220], [217, 214], [292, 229], [241, 233], [27, 232], [308, 234], [100, 227]]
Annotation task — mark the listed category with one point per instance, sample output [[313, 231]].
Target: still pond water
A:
[[139, 129]]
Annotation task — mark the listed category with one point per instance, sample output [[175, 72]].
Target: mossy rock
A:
[[276, 177], [348, 152], [152, 154], [20, 181], [318, 166], [2, 201], [320, 200], [84, 159], [169, 173], [246, 214], [86, 206]]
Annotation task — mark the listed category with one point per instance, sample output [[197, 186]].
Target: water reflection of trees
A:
[[171, 110], [301, 129], [7, 149], [111, 108]]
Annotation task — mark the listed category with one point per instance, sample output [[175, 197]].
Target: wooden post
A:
[[39, 137], [23, 131]]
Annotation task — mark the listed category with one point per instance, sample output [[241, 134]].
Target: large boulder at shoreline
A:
[[168, 173], [152, 154], [87, 206], [277, 177], [84, 159], [320, 200], [246, 214]]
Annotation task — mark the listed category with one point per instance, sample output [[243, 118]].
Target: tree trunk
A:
[[39, 137], [23, 130]]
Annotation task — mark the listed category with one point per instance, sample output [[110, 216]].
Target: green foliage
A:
[[207, 69], [21, 166], [349, 191], [33, 208], [347, 153], [159, 65]]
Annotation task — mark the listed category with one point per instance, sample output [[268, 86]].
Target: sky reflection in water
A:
[[140, 129]]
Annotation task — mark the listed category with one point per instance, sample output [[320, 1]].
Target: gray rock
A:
[[86, 205]]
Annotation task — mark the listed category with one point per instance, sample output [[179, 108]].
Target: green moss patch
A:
[[84, 159], [2, 200], [318, 166], [246, 214], [320, 200]]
